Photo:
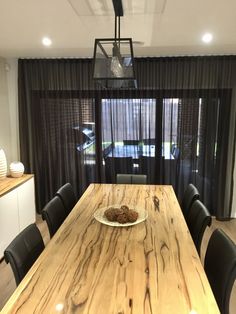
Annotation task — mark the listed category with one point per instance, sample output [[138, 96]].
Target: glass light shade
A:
[[116, 67], [114, 63]]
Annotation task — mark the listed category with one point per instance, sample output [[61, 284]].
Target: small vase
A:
[[16, 169], [3, 164]]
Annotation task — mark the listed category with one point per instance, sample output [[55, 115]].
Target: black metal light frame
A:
[[113, 60]]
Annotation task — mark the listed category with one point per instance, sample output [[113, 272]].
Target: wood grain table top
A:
[[89, 267], [8, 184]]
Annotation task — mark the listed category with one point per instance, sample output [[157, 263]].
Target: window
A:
[[128, 119]]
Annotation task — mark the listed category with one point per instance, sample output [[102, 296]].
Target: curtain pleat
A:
[[177, 127]]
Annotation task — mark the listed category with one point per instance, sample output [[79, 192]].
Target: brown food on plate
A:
[[121, 215], [125, 208], [110, 214], [132, 215], [122, 218], [118, 211]]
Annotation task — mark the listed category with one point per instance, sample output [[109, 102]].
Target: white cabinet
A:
[[17, 208], [9, 224], [26, 203]]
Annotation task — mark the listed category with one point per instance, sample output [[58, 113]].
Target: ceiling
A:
[[158, 27]]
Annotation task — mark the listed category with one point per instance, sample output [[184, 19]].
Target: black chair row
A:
[[23, 251], [196, 215], [220, 258], [58, 208]]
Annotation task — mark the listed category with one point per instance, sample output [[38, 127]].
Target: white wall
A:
[[8, 109], [12, 74], [5, 128]]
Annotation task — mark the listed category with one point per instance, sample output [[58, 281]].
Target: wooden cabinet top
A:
[[7, 184]]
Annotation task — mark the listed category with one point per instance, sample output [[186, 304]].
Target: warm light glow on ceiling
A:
[[207, 38], [46, 41]]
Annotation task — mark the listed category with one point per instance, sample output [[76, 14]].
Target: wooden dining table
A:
[[91, 267]]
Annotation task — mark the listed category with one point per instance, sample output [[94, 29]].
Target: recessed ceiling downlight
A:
[[207, 38], [46, 41]]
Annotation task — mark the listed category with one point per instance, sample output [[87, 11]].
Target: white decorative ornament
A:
[[3, 164], [16, 169]]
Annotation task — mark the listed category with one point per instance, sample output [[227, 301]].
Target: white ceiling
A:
[[164, 27]]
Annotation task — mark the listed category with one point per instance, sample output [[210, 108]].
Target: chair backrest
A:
[[220, 267], [67, 196], [54, 213], [131, 178], [139, 179], [123, 178], [197, 220], [115, 165], [191, 194], [23, 251]]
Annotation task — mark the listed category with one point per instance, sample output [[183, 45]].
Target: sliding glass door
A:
[[173, 140]]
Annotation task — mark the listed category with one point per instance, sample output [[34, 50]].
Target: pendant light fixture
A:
[[113, 61]]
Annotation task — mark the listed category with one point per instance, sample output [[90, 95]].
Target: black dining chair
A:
[[23, 251], [220, 267], [190, 195], [67, 196], [54, 213], [197, 220], [131, 178]]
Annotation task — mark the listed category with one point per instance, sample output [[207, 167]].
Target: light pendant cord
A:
[[115, 27]]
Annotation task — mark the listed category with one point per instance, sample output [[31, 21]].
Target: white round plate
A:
[[99, 216]]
